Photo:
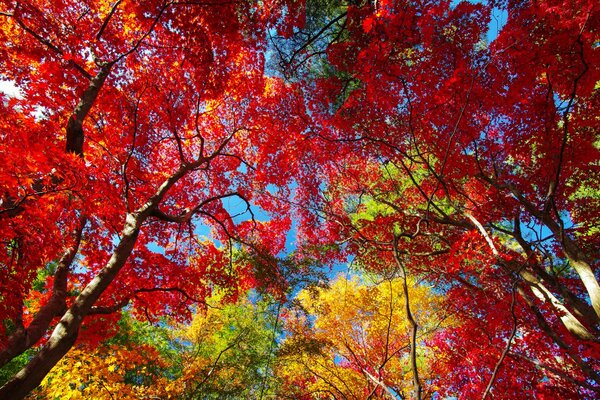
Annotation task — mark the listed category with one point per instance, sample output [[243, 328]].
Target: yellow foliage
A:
[[101, 374], [352, 339]]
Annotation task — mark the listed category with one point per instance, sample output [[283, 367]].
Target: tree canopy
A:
[[157, 155]]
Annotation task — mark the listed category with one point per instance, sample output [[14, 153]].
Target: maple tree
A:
[[136, 124], [478, 157]]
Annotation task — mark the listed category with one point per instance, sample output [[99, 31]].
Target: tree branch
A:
[[508, 344], [417, 387], [25, 338]]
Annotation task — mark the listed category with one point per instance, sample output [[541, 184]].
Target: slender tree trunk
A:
[[585, 367], [572, 324], [417, 387], [64, 335], [575, 255], [578, 261], [24, 338]]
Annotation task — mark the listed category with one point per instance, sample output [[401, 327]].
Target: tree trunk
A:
[[64, 335], [24, 338], [575, 255], [417, 387]]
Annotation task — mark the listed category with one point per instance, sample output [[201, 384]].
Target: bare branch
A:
[[107, 19], [417, 387], [508, 344]]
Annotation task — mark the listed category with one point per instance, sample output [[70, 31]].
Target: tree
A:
[[126, 369], [231, 352], [225, 352], [477, 154], [137, 124], [353, 340], [149, 157]]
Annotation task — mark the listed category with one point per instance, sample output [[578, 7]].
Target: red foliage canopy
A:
[[144, 139], [480, 161], [147, 140]]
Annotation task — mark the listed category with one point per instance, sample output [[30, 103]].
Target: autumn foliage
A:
[[136, 123], [354, 337], [156, 152]]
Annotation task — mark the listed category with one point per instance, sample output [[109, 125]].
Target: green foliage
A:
[[14, 366], [301, 54], [225, 353], [229, 349], [586, 198]]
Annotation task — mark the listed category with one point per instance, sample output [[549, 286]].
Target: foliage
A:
[[351, 339], [141, 151], [473, 163], [229, 350], [152, 152], [137, 362], [225, 352], [14, 366]]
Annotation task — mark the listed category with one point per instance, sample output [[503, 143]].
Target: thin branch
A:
[[96, 310], [417, 387], [235, 342], [47, 43], [146, 34], [105, 388], [132, 149], [107, 19], [508, 343], [186, 215], [554, 183], [388, 329]]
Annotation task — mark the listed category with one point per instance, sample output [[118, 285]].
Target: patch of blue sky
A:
[[241, 211], [498, 20]]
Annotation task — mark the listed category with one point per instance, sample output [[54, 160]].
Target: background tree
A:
[[225, 352], [140, 361], [352, 339], [468, 148], [231, 350]]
